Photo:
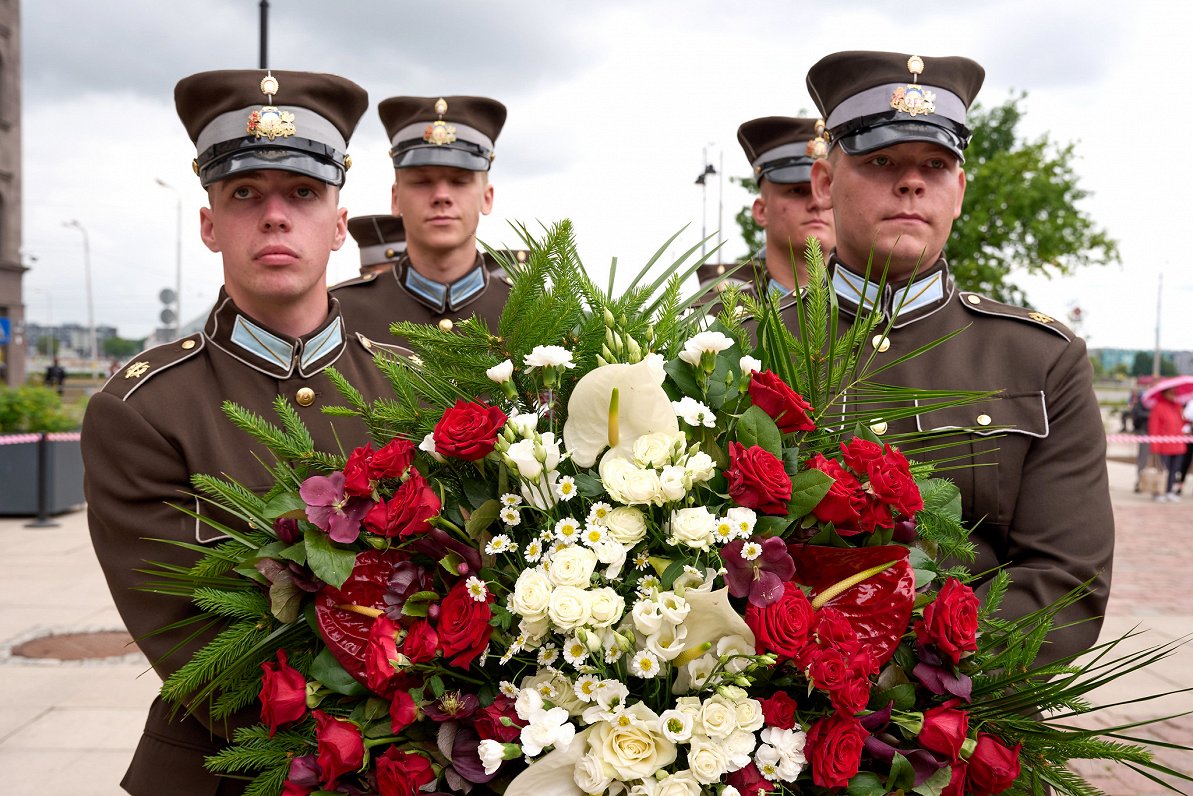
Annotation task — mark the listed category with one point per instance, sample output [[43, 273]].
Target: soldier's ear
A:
[[961, 182], [822, 183], [487, 198], [393, 199], [758, 211], [207, 229], [341, 229]]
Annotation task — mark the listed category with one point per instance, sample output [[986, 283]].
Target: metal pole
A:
[[1156, 353], [721, 206], [264, 34], [704, 202], [43, 486], [177, 259], [90, 302]]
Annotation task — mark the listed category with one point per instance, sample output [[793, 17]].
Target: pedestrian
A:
[[55, 377], [1187, 460], [1139, 413], [1037, 496], [442, 149], [381, 240], [272, 155], [1166, 421], [781, 151]]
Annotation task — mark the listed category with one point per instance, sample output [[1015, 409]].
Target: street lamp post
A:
[[702, 181], [177, 259], [73, 223]]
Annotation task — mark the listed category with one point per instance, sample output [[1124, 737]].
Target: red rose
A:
[[778, 710], [488, 722], [757, 480], [783, 627], [464, 625], [852, 695], [843, 503], [992, 766], [859, 453], [408, 512], [402, 711], [468, 430], [785, 406], [950, 621], [402, 773], [827, 669], [356, 472], [891, 482], [283, 693], [834, 750], [392, 460], [832, 629], [956, 786], [944, 730], [381, 654], [750, 782], [341, 748], [421, 642]]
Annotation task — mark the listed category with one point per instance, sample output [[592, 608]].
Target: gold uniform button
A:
[[983, 420], [187, 345], [973, 299], [879, 428], [880, 343], [446, 324], [390, 254], [305, 396]]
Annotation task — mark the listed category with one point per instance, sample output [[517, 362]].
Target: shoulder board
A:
[[984, 305], [374, 347], [147, 364], [358, 280]]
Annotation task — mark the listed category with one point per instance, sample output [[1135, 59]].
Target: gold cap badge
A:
[[818, 147], [270, 121], [440, 132], [912, 99]]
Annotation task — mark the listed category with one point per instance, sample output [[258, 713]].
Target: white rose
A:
[[626, 525], [501, 372], [635, 749], [704, 342], [532, 594], [535, 630], [749, 364], [591, 775], [656, 449], [627, 483], [647, 787], [521, 455], [700, 467], [573, 566], [681, 783], [673, 482], [606, 606], [568, 609], [718, 717], [707, 760], [749, 715], [693, 527]]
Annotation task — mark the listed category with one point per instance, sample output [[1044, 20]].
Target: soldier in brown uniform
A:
[[272, 156], [442, 148], [381, 241], [1038, 500], [781, 151]]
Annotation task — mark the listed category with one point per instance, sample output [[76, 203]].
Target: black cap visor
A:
[[859, 139], [300, 156], [469, 157], [791, 171]]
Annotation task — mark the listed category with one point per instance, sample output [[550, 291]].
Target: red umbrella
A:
[[1181, 386]]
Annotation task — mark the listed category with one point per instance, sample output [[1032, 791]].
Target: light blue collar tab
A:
[[265, 345], [445, 297]]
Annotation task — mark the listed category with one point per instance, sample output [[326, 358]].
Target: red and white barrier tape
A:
[[1146, 438], [25, 439]]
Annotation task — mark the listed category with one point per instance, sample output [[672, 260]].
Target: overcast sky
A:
[[612, 106]]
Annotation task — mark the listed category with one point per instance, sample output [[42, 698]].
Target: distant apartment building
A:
[[12, 310], [71, 341], [1123, 359]]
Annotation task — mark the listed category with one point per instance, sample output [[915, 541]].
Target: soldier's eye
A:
[[242, 192]]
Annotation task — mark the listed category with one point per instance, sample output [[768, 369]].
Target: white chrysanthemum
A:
[[694, 413], [511, 500], [533, 551], [508, 689], [723, 532], [749, 364], [499, 544], [649, 584], [585, 687], [548, 356], [704, 343], [565, 488], [599, 511], [675, 725], [548, 654], [575, 651], [567, 530], [476, 589], [511, 516], [612, 655], [593, 535], [750, 551], [645, 664], [501, 372]]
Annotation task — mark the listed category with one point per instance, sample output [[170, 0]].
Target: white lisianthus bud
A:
[[523, 423], [673, 482], [501, 372]]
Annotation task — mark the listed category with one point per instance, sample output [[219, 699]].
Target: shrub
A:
[[25, 409]]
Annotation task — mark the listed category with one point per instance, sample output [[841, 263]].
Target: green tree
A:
[[1020, 213], [1142, 366], [754, 235], [47, 346], [121, 348]]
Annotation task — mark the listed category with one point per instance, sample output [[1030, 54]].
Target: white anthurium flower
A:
[[704, 343], [642, 408], [501, 372], [553, 773], [749, 364], [711, 617], [548, 356]]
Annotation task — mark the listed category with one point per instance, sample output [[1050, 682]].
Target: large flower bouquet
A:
[[615, 547]]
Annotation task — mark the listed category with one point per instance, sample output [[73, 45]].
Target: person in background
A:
[[381, 241], [1139, 413], [55, 377], [1165, 420]]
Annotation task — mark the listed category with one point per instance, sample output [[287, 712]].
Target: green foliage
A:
[[1144, 361], [121, 348], [752, 233], [32, 409], [1021, 210]]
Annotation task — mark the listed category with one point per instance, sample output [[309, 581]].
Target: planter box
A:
[[19, 473]]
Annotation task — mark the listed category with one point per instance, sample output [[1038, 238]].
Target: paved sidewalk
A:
[[69, 727]]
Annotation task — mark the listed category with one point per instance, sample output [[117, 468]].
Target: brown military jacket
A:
[[371, 303], [1038, 501], [155, 423]]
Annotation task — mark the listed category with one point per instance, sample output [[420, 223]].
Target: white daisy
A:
[[598, 513], [641, 561], [586, 687], [511, 516], [548, 655], [533, 551], [574, 651], [645, 664], [593, 535], [724, 530], [476, 589], [567, 530], [499, 544], [750, 551], [511, 500], [565, 488]]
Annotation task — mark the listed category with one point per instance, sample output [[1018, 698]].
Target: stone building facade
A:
[[12, 310]]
